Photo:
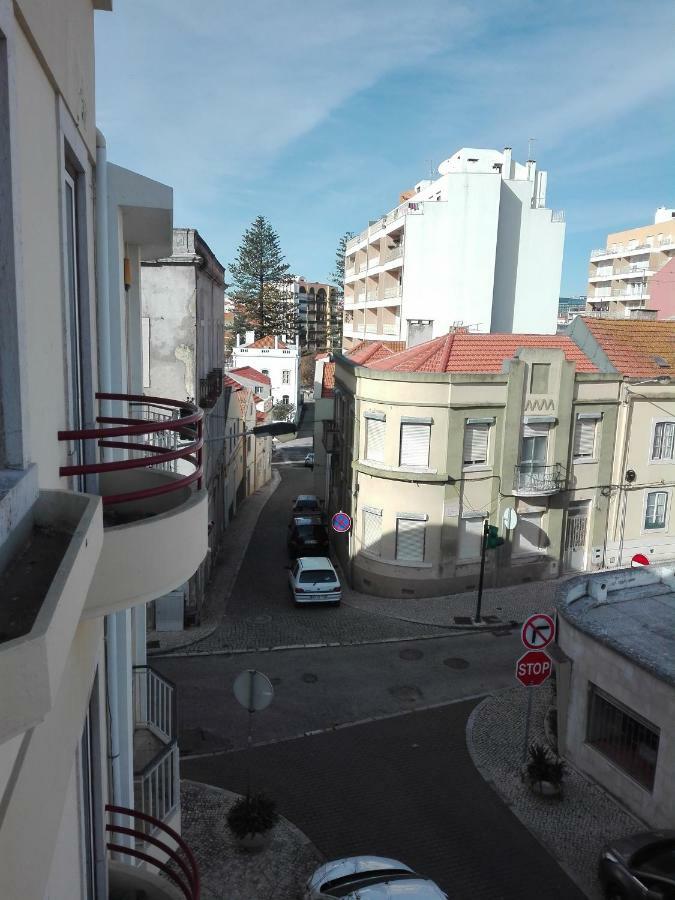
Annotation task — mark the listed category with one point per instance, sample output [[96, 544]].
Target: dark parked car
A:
[[640, 866], [307, 505], [307, 537]]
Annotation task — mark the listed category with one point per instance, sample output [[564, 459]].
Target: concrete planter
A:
[[254, 841]]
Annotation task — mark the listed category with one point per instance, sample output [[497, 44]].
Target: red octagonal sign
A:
[[533, 668]]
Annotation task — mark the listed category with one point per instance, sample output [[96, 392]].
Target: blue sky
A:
[[318, 114]]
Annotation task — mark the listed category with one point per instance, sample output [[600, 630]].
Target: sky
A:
[[318, 114]]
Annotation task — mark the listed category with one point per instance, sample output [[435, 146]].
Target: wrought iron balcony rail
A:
[[535, 479], [142, 454], [210, 388], [177, 862]]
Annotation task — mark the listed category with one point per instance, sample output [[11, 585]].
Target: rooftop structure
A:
[[636, 349], [476, 247]]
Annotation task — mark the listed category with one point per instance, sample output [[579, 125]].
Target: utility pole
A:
[[483, 548]]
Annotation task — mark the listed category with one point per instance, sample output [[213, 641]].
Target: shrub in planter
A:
[[252, 816], [544, 770]]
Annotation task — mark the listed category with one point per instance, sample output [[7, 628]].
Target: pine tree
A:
[[260, 276], [337, 294]]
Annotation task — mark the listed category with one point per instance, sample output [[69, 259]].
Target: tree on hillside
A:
[[283, 412], [262, 301], [336, 299]]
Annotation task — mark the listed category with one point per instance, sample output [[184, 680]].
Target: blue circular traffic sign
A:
[[341, 522]]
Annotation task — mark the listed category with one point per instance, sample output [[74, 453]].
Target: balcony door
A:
[[534, 448], [75, 356], [576, 537]]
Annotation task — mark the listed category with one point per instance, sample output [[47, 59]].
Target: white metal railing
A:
[[665, 242], [157, 787], [350, 270], [371, 328], [392, 292], [371, 298], [363, 266], [389, 328], [154, 702], [535, 479], [558, 215], [393, 252]]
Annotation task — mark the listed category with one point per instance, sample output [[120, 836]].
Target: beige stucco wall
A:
[[639, 691], [640, 233], [64, 32]]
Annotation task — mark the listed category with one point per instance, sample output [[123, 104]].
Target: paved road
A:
[[403, 787], [323, 688]]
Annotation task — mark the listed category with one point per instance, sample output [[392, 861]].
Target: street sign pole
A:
[[483, 549], [528, 715], [254, 692]]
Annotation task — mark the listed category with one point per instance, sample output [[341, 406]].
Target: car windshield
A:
[[310, 532], [307, 503], [657, 859], [317, 576]]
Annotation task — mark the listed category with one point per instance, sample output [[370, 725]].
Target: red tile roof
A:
[[231, 383], [252, 374], [258, 399], [463, 352], [369, 351], [260, 417], [631, 346], [267, 343], [328, 382]]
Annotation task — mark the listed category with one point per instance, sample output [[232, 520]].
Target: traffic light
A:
[[493, 539]]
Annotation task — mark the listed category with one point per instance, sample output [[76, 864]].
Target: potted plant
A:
[[544, 771], [251, 820]]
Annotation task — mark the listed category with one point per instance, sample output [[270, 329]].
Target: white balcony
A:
[[534, 480], [622, 273], [155, 520], [41, 603], [655, 246]]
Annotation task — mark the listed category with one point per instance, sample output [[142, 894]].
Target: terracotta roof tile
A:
[[231, 383], [260, 417], [631, 346], [251, 373], [464, 352], [328, 382], [367, 351], [267, 343]]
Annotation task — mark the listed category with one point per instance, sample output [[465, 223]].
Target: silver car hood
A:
[[338, 868]]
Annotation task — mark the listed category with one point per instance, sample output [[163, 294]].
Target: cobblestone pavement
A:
[[575, 828], [229, 873], [402, 787], [232, 551]]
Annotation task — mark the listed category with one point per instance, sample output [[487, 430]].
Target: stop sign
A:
[[533, 668]]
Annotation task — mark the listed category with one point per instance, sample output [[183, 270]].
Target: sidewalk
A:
[[230, 557], [228, 873], [573, 829]]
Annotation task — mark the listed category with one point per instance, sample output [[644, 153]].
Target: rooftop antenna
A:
[[530, 141]]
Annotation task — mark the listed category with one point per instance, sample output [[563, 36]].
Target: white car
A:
[[370, 878], [312, 579]]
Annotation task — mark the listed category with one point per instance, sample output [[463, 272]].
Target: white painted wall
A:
[[275, 362]]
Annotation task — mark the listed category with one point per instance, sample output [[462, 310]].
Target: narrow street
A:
[[364, 746]]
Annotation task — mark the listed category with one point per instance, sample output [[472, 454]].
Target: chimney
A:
[[531, 169], [250, 337], [540, 189], [506, 168], [238, 340], [276, 342]]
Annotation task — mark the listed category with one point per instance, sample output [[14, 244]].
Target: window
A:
[[470, 537], [375, 428], [623, 736], [372, 530], [534, 450], [584, 438], [286, 376], [664, 436], [539, 378], [410, 531], [285, 399], [529, 536], [265, 371], [415, 440], [476, 436], [655, 511]]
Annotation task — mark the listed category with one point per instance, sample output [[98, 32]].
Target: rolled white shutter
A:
[[372, 531], [470, 536], [415, 445], [375, 439], [475, 443], [535, 429], [410, 539], [584, 438]]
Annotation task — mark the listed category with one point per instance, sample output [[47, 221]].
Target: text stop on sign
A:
[[533, 668]]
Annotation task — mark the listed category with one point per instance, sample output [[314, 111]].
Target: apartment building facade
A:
[[316, 304], [102, 536], [621, 273], [476, 247], [276, 358], [183, 357], [429, 442]]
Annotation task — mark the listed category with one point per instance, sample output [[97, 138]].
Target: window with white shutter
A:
[[655, 510], [410, 534], [664, 437], [584, 438], [415, 439], [372, 530], [375, 430], [476, 443], [470, 536]]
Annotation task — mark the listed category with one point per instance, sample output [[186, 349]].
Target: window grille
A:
[[621, 735]]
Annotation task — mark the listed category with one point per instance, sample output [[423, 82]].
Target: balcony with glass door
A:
[[534, 476]]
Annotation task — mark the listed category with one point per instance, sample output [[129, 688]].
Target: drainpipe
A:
[[623, 490]]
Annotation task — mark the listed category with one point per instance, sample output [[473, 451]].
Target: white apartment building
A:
[[476, 247], [104, 525], [623, 276], [274, 357]]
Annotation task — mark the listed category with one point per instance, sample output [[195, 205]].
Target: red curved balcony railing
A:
[[160, 422], [182, 869]]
